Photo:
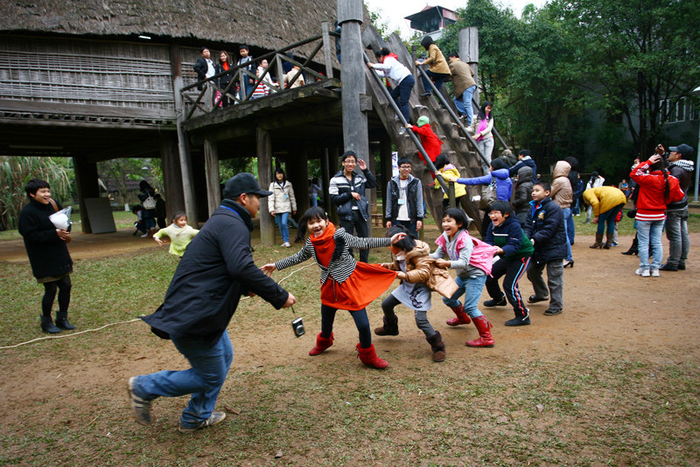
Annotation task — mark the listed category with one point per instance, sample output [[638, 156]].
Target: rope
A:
[[73, 334]]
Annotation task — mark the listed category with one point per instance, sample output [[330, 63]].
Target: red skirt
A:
[[366, 284]]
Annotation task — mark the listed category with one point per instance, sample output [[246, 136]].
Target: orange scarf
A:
[[324, 245]]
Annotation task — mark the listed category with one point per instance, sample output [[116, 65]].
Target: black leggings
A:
[[361, 321], [63, 285]]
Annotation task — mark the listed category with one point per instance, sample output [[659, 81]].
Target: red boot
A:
[[461, 318], [484, 328], [369, 357], [322, 344]]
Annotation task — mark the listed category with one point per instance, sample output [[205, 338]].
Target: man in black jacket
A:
[[215, 271], [347, 191], [204, 67], [404, 199], [680, 166]]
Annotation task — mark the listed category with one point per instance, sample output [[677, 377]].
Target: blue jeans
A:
[[464, 103], [649, 235], [210, 366], [402, 93], [607, 219], [437, 78], [283, 221], [471, 287], [568, 227], [678, 238]]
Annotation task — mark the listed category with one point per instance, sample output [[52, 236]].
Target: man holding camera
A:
[[215, 271], [677, 213]]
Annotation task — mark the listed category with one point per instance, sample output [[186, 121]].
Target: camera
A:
[[298, 327]]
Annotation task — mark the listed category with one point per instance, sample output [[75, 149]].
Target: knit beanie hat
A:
[[423, 121]]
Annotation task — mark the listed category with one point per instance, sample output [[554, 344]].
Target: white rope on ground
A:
[[73, 334]]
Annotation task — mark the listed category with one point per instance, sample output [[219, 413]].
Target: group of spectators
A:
[[290, 77]]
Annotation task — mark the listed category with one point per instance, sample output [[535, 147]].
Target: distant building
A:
[[432, 20]]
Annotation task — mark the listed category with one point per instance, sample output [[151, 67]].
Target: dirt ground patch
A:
[[610, 315]]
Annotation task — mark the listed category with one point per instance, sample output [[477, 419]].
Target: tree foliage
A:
[[632, 55], [16, 171]]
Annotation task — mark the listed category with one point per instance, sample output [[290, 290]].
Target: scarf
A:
[[324, 245], [240, 210]]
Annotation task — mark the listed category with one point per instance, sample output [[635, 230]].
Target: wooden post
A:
[[211, 169], [385, 154], [183, 146], [355, 133], [298, 174], [264, 153], [328, 49], [329, 167], [86, 183], [172, 176], [469, 53]]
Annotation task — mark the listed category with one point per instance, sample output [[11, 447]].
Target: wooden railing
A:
[[235, 91]]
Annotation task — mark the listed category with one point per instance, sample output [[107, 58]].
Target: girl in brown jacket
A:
[[439, 70], [419, 277]]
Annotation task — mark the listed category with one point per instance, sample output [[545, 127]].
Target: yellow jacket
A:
[[604, 198], [436, 60], [460, 190]]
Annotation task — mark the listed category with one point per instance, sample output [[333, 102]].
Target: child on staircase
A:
[[345, 283]]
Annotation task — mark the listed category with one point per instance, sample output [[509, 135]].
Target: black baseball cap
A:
[[243, 183], [683, 149]]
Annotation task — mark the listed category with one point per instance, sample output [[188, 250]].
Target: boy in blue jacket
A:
[[515, 250], [545, 227]]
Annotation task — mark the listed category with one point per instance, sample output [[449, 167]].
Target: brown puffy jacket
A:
[[420, 267]]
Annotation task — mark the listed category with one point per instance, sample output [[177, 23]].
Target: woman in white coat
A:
[[281, 203]]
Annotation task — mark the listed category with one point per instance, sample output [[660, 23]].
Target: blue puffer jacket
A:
[[501, 177], [546, 227]]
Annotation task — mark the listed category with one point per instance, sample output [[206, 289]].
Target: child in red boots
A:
[[345, 283], [418, 276], [472, 260]]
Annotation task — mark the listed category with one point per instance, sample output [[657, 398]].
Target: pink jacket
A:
[[482, 254]]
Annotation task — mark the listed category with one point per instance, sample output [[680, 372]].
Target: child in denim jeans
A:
[[472, 259]]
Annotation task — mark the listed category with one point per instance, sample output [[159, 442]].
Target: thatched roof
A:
[[268, 24]]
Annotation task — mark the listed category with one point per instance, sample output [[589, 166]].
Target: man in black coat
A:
[[204, 67], [215, 271]]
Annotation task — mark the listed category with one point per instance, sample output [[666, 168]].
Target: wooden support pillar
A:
[[211, 168], [264, 153], [182, 144], [88, 187], [298, 174], [355, 133], [172, 176], [329, 167], [469, 52], [385, 154]]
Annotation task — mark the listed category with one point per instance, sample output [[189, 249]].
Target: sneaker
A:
[[681, 266], [492, 302], [642, 272], [535, 299], [216, 417], [144, 235], [142, 408], [286, 245], [654, 273], [519, 321], [551, 312], [669, 267]]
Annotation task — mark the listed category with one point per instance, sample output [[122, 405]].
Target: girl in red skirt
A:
[[345, 283]]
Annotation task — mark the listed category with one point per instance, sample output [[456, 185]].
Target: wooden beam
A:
[[172, 177], [211, 169], [264, 152], [87, 185]]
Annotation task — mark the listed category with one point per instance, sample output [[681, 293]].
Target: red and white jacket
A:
[[651, 204]]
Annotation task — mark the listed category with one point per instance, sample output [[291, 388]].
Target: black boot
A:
[[437, 346], [633, 248], [390, 328], [62, 321], [47, 325]]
